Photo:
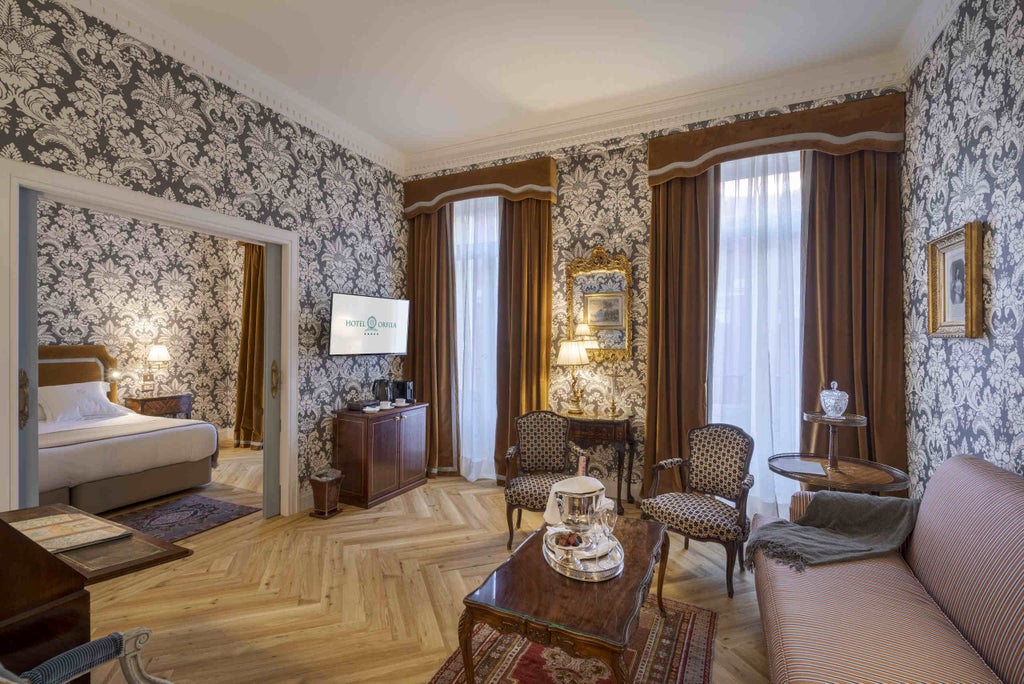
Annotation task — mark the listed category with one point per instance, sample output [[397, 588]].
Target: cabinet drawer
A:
[[596, 431]]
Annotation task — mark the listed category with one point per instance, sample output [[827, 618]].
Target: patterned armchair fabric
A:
[[719, 460], [543, 442], [718, 467]]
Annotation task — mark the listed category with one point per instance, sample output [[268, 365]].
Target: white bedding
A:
[[155, 442]]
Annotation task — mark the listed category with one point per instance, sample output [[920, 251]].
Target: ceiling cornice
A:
[[931, 17], [175, 39], [812, 84]]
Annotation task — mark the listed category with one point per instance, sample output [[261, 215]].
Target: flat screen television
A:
[[368, 325]]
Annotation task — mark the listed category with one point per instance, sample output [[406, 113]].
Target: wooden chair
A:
[[718, 468], [542, 456]]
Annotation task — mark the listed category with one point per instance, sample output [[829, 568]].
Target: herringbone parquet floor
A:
[[368, 596]]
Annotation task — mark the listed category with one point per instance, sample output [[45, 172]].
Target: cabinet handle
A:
[[403, 417]]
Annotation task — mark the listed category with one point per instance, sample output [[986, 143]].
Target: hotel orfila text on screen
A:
[[368, 325]]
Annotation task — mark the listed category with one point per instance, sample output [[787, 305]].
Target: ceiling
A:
[[442, 76]]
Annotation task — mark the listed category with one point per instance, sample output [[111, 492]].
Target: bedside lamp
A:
[[159, 359], [584, 334], [573, 353]]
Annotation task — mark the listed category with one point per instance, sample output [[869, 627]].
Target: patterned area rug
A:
[[677, 648], [184, 517]]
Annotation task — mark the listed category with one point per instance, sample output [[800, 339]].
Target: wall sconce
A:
[[584, 334], [159, 359]]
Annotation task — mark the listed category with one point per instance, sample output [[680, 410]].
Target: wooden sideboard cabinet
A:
[[381, 454]]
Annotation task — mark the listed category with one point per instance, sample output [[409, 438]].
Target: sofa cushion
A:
[[968, 551], [861, 621]]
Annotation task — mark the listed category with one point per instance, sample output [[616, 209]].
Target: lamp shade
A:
[[572, 353], [158, 354], [584, 334]]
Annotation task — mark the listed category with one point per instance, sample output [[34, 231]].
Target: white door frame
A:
[[91, 194]]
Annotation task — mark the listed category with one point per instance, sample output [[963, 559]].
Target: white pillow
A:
[[80, 401]]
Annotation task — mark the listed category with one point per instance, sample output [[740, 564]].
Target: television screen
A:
[[368, 325]]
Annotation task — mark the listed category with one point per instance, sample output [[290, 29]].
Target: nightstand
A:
[[169, 405]]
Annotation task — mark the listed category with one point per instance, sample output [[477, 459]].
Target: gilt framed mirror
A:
[[599, 294]]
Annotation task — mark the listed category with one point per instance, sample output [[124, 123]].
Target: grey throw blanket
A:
[[837, 527]]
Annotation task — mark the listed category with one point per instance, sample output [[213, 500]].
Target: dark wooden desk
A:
[[44, 607], [110, 559], [852, 475], [585, 619], [590, 430]]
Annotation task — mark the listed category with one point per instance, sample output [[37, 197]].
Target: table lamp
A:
[[573, 353], [584, 334]]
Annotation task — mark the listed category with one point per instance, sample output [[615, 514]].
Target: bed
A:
[[101, 462]]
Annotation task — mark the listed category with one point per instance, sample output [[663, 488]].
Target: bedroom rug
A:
[[676, 648], [179, 518]]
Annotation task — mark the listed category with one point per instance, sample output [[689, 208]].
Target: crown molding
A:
[[173, 38], [812, 84], [928, 22]]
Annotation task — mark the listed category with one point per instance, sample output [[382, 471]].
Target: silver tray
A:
[[597, 569]]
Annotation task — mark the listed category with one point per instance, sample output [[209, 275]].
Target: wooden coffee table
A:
[[586, 619]]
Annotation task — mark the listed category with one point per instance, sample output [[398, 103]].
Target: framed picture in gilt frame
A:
[[954, 283]]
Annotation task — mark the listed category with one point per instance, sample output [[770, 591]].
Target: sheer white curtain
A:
[[755, 377], [475, 233]]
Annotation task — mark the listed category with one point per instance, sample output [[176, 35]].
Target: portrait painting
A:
[[954, 283]]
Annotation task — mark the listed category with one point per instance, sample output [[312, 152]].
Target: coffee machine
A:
[[402, 389]]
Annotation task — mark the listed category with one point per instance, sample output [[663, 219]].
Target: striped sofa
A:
[[949, 610]]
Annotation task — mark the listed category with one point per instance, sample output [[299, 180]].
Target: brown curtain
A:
[[249, 391], [853, 301], [683, 257], [432, 348], [525, 273]]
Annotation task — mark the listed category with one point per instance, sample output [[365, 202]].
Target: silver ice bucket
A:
[[578, 510]]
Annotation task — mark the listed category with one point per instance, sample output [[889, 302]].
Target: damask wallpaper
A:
[[117, 281], [604, 199], [964, 161], [80, 97]]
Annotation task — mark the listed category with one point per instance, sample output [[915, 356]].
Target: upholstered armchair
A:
[[542, 456], [718, 468], [82, 659]]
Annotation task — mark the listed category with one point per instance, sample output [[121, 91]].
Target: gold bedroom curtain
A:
[[249, 391], [432, 350], [525, 275], [853, 301], [683, 268]]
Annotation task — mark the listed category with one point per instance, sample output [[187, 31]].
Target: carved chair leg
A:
[[730, 563], [508, 513], [131, 664], [686, 542], [519, 519], [743, 565]]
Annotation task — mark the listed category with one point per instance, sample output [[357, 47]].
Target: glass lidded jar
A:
[[834, 401]]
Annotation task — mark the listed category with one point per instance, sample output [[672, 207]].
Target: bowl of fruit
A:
[[568, 539]]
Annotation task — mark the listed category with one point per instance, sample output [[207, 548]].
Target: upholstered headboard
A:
[[68, 364]]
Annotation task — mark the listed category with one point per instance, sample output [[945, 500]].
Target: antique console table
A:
[[585, 619], [590, 430]]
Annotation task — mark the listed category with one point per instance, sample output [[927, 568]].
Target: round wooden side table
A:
[[853, 475], [848, 420]]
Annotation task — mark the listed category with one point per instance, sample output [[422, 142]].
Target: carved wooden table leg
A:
[[618, 665], [466, 644], [620, 454], [663, 566], [631, 446]]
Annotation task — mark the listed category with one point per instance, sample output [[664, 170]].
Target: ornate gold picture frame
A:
[[954, 283], [598, 263]]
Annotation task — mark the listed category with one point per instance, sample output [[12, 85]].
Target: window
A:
[[476, 226], [755, 364]]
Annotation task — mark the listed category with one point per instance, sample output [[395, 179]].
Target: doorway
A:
[[28, 185]]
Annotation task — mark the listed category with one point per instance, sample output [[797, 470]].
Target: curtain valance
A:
[[531, 179], [874, 124]]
